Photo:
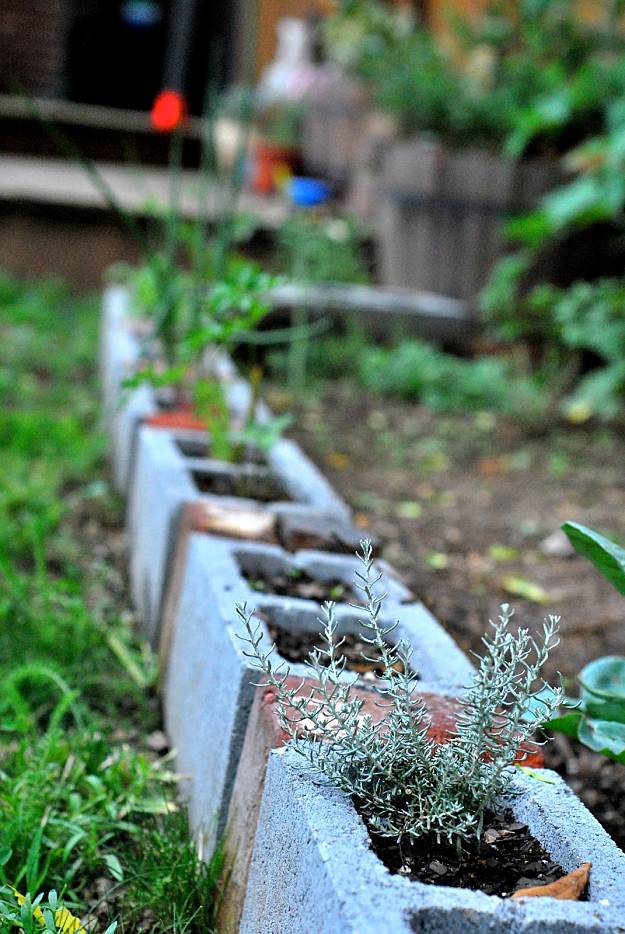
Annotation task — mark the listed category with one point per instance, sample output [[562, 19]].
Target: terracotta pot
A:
[[269, 159]]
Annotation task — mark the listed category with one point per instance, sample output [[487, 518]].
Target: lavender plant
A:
[[404, 784]]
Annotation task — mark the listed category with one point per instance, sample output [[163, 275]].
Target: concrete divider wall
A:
[[312, 859]]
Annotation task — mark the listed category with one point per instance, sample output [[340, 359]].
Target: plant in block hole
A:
[[197, 293], [598, 717], [405, 785], [228, 311]]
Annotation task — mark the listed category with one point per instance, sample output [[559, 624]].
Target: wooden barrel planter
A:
[[333, 126], [441, 212]]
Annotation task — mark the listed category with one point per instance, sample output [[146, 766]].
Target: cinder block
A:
[[163, 481], [312, 859], [263, 734], [124, 409], [207, 679]]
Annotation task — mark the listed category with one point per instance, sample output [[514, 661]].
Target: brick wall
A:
[[32, 45]]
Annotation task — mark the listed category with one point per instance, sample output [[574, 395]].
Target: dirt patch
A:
[[296, 583], [296, 647], [262, 488], [508, 858], [466, 504]]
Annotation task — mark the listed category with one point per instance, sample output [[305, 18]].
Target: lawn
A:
[[87, 794]]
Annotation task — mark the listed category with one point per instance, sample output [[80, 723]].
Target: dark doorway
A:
[[116, 52]]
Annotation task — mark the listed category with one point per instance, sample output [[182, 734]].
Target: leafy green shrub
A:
[[322, 249], [417, 371], [534, 74], [402, 782], [216, 315], [598, 718], [563, 324], [361, 31]]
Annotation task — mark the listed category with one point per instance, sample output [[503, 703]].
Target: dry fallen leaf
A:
[[520, 587], [338, 460], [569, 888]]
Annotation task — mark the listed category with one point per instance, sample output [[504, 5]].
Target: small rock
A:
[[438, 867], [557, 545], [491, 836], [158, 741]]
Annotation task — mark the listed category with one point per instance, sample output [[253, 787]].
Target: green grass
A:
[[416, 371], [86, 809]]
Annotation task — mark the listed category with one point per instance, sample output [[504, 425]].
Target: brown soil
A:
[[508, 858], [300, 584], [296, 647], [466, 504], [263, 489]]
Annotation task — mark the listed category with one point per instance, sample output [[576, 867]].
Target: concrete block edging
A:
[[208, 682], [125, 410], [312, 858], [163, 483]]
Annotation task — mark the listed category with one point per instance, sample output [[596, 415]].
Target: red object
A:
[[182, 418], [269, 160], [169, 111]]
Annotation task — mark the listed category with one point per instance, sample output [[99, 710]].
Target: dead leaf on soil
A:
[[408, 509], [338, 460], [437, 560], [520, 587], [493, 466], [569, 888], [502, 552]]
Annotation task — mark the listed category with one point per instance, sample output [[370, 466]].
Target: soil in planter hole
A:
[[262, 489], [508, 858], [296, 583], [196, 447], [296, 646]]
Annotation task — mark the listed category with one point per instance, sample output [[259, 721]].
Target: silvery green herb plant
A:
[[404, 784]]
